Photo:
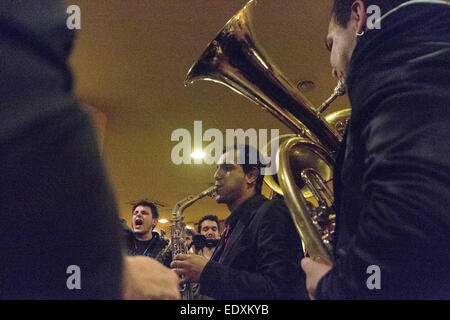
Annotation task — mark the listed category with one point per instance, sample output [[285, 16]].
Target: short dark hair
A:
[[249, 163], [342, 8], [151, 205], [189, 232], [208, 217]]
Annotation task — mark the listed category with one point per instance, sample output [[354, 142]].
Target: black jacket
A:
[[57, 208], [155, 249], [392, 176], [262, 257]]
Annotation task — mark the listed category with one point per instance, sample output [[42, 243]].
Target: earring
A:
[[360, 33]]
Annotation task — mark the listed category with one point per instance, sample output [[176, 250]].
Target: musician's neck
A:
[[144, 237]]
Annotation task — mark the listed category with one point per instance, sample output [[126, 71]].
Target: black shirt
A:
[[142, 246], [150, 248]]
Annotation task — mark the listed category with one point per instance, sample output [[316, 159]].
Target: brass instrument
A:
[[164, 253], [306, 158], [178, 235]]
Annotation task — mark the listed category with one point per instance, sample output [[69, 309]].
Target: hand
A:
[[314, 272], [146, 278], [189, 266], [194, 250]]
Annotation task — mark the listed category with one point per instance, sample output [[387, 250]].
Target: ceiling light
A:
[[163, 220], [306, 85], [198, 154]]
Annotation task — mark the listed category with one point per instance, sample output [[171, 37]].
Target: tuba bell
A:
[[306, 157]]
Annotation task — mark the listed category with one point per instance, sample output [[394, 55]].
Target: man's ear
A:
[[154, 223], [358, 16], [252, 175]]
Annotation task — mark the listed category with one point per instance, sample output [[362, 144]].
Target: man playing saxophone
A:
[[259, 252]]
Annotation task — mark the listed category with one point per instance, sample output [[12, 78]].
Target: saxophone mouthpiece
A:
[[211, 191]]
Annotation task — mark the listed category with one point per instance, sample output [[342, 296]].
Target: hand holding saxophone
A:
[[189, 267], [145, 278]]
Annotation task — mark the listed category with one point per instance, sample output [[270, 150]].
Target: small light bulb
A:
[[198, 154]]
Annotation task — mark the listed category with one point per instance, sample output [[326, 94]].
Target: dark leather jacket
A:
[[56, 205], [392, 176], [261, 259], [156, 246]]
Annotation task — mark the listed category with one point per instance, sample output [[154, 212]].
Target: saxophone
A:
[[164, 253], [178, 235]]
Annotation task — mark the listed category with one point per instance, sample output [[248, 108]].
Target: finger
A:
[[175, 275], [182, 276], [181, 256], [178, 264], [180, 273]]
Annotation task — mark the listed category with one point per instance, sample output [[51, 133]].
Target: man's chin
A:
[[219, 199]]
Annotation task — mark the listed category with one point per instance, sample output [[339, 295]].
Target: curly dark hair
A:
[[208, 217], [151, 205], [189, 232]]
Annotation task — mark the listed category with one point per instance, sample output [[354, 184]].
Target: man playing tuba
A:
[[392, 175]]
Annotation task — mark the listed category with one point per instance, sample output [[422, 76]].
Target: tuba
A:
[[306, 158], [178, 235]]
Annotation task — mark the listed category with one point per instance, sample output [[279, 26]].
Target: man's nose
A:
[[217, 174]]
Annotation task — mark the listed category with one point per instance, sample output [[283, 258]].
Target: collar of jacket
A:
[[245, 211], [155, 236]]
